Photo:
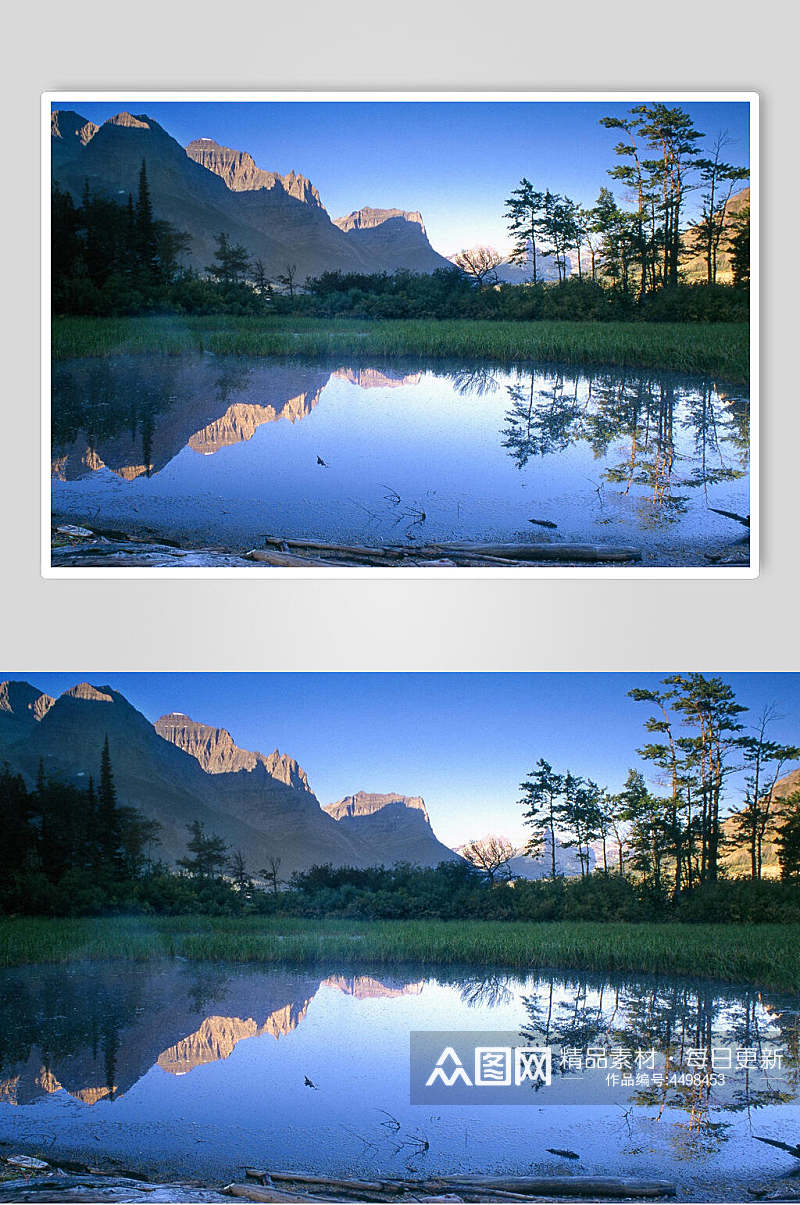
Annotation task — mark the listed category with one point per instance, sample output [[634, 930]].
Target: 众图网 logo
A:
[[478, 1067], [494, 1067]]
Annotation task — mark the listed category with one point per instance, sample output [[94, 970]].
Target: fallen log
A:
[[463, 553], [254, 1192], [731, 514], [285, 560], [545, 552], [563, 1186], [344, 549], [381, 1187], [782, 1146]]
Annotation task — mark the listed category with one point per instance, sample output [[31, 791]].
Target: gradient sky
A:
[[454, 161], [462, 741]]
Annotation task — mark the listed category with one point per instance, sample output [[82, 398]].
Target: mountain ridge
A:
[[206, 189], [179, 770]]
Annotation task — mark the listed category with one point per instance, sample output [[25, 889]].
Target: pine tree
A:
[[541, 796], [108, 828], [146, 240], [210, 854], [789, 839], [525, 215]]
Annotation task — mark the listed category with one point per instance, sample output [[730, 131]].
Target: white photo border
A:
[[626, 96]]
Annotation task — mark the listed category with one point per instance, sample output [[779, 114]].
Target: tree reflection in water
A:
[[676, 1019], [646, 416]]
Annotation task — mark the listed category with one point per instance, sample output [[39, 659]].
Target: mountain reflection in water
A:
[[174, 1051], [235, 446]]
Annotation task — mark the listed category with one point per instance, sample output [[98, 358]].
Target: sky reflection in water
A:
[[202, 1067], [225, 449]]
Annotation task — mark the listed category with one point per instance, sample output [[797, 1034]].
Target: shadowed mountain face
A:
[[395, 238], [206, 189], [179, 770], [395, 823]]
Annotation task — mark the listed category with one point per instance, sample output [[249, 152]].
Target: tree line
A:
[[642, 852], [635, 248], [675, 838], [111, 257]]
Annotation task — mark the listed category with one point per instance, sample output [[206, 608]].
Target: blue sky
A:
[[454, 161], [462, 741]]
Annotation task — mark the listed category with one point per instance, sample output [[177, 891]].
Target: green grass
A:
[[767, 956], [720, 349]]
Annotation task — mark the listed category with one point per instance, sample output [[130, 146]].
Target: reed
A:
[[767, 956], [718, 349]]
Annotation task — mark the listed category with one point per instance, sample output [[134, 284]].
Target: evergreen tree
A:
[[541, 800], [146, 240], [108, 820], [789, 839], [231, 261], [739, 248], [209, 853], [525, 215]]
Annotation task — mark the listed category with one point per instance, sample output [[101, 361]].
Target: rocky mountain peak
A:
[[364, 803], [23, 701], [218, 753], [368, 218], [241, 173], [66, 124], [92, 694], [140, 122]]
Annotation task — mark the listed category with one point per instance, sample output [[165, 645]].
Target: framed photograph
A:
[[403, 334], [476, 936]]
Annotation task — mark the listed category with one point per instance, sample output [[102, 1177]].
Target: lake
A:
[[220, 450], [199, 1069]]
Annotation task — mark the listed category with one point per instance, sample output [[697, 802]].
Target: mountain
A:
[[239, 171], [525, 866], [693, 264], [215, 750], [395, 238], [393, 828], [22, 704], [251, 809], [178, 770], [206, 189], [737, 860]]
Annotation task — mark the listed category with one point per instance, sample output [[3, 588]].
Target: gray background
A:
[[90, 625]]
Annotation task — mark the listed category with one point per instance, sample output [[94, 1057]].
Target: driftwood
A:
[[731, 514], [293, 1186], [566, 1186], [782, 1146], [74, 1188], [309, 553]]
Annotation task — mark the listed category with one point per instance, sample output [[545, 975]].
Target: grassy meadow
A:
[[719, 349], [767, 956]]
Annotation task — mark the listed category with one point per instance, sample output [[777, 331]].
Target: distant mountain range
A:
[[178, 770], [206, 189]]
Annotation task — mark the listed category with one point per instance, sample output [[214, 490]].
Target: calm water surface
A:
[[199, 1069], [223, 450]]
